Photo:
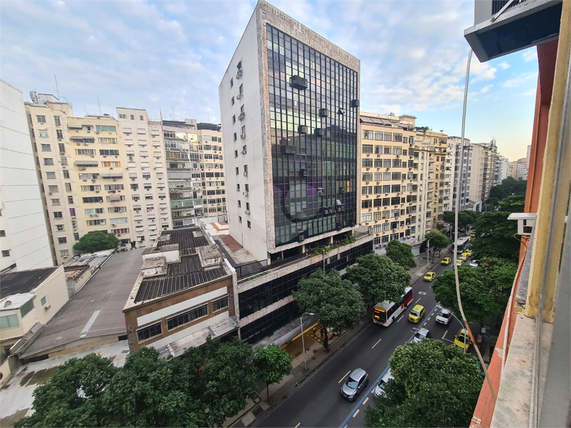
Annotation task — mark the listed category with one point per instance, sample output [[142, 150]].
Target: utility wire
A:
[[456, 209]]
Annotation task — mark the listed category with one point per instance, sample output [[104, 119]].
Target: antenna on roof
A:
[[57, 88], [99, 104]]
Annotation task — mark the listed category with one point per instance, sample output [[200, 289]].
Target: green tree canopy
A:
[[465, 218], [438, 241], [203, 387], [496, 237], [272, 364], [335, 302], [515, 187], [73, 396], [433, 385], [379, 278], [96, 241], [499, 192], [513, 204], [401, 254]]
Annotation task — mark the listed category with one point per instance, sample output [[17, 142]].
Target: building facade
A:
[[290, 120], [24, 238], [455, 166], [389, 191], [212, 170]]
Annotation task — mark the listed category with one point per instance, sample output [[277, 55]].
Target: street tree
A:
[[229, 379], [73, 396], [272, 364], [379, 278], [477, 302], [515, 187], [96, 241], [513, 204], [500, 275], [335, 302], [465, 218], [499, 192], [438, 241], [401, 254], [496, 237], [433, 385]]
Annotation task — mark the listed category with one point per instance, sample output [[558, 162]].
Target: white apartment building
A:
[[454, 167], [24, 238], [210, 146], [389, 192]]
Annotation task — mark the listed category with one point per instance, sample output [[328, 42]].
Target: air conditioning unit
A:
[[244, 152], [62, 153], [239, 73], [242, 116], [48, 306], [245, 193], [239, 96], [247, 212], [245, 173]]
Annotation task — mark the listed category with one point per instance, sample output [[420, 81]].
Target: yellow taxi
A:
[[446, 261], [468, 253], [416, 314], [459, 262], [462, 340], [472, 235], [463, 257], [429, 276]]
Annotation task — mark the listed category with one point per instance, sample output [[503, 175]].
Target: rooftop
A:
[[23, 281], [199, 262]]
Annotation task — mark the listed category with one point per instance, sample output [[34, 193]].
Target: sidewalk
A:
[[256, 410]]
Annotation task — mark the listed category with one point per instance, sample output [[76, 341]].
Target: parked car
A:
[[416, 314], [463, 257], [421, 334], [354, 384], [474, 263], [446, 261], [444, 316], [459, 262], [379, 390], [429, 276], [462, 340]]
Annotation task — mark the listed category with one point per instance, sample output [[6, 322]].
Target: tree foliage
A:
[[438, 241], [203, 387], [401, 254], [433, 385], [272, 364], [514, 187], [513, 204], [465, 218], [335, 302], [379, 278], [96, 241], [496, 237]]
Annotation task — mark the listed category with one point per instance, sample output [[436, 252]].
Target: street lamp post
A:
[[302, 338]]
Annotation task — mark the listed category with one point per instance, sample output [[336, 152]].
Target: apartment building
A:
[[482, 178], [431, 148], [454, 167], [518, 169], [183, 171], [504, 167], [389, 192], [95, 175], [24, 238], [212, 169], [290, 120]]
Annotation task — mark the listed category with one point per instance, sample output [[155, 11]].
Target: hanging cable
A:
[[456, 209]]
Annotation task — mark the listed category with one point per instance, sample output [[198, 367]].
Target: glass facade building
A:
[[313, 102]]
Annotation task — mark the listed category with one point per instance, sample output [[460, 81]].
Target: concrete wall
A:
[[22, 215]]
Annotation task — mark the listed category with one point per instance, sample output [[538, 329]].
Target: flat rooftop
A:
[[199, 262], [96, 310], [23, 281]]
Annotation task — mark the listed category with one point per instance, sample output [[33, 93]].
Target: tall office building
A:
[[290, 118], [24, 238], [389, 191]]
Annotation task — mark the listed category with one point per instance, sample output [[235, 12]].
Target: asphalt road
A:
[[318, 401]]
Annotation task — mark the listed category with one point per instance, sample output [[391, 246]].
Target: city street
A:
[[318, 401]]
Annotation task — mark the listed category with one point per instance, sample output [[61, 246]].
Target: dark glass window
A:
[[150, 331], [219, 304], [187, 317]]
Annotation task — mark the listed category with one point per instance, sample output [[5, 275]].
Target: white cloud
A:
[[530, 55], [520, 80], [504, 65]]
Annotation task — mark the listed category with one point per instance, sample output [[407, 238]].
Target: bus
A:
[[386, 312], [462, 244]]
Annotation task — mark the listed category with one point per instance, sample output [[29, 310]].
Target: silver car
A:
[[444, 316], [380, 388], [354, 384], [421, 334]]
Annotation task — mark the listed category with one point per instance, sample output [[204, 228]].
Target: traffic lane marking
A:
[[365, 402], [344, 376], [373, 347], [402, 316], [444, 335], [356, 413], [297, 425]]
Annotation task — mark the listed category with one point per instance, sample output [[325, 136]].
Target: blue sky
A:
[[170, 55]]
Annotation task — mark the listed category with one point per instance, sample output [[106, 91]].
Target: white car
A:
[[422, 333], [444, 316], [380, 387], [473, 263]]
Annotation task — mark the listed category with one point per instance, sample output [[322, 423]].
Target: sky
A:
[[169, 56]]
